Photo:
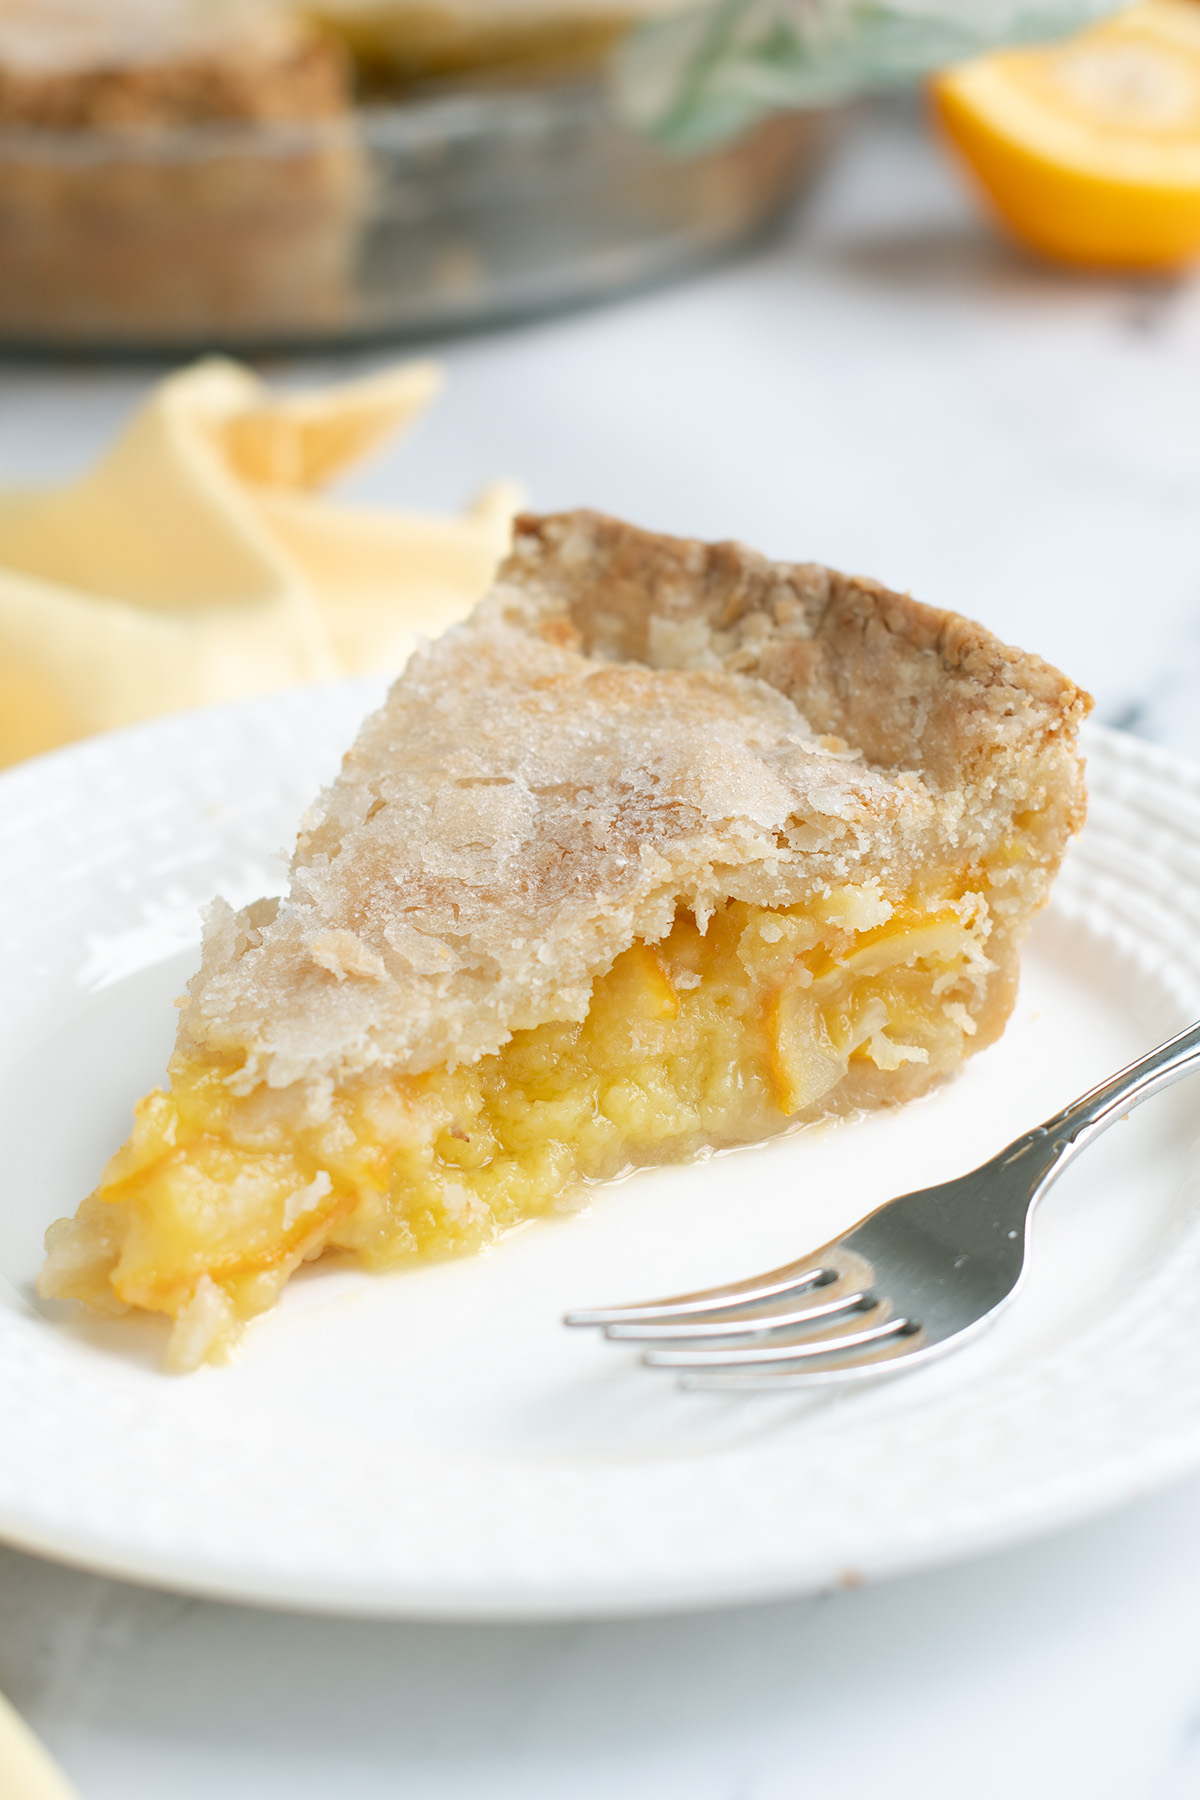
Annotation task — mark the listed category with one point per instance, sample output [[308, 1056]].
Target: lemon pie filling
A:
[[766, 1018]]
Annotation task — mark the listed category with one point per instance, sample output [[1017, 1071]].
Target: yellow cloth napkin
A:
[[197, 561], [26, 1771]]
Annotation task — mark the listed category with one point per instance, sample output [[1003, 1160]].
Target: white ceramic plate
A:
[[435, 1443]]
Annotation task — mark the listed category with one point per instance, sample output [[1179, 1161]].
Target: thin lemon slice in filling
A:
[[706, 1039]]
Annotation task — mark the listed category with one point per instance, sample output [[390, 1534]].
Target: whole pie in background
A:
[[255, 175], [667, 848]]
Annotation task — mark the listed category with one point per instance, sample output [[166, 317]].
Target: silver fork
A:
[[920, 1275]]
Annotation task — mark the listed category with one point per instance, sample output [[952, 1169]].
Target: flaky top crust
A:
[[910, 686], [626, 724]]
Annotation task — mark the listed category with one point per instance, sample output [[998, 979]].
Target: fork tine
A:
[[709, 1326], [759, 1356], [793, 1278], [892, 1357]]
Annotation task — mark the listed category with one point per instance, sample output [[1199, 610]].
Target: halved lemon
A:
[[1089, 149]]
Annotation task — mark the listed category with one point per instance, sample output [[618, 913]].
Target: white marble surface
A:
[[887, 388]]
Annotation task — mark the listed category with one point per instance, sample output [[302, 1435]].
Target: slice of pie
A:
[[667, 848]]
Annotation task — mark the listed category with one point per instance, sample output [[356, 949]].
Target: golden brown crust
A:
[[627, 724], [70, 65], [911, 686]]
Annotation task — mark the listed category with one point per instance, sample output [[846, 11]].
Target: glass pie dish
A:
[[458, 206]]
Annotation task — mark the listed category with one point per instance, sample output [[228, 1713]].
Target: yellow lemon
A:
[[1090, 149]]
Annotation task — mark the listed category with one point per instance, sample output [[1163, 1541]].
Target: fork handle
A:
[[1017, 1177], [1085, 1118]]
